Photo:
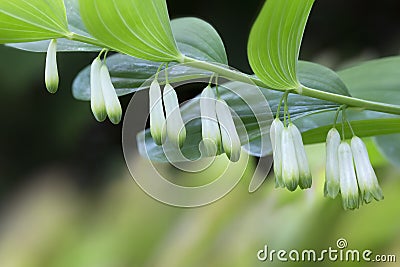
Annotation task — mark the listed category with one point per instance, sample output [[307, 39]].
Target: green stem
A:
[[278, 112], [337, 115], [242, 77], [336, 98], [84, 39]]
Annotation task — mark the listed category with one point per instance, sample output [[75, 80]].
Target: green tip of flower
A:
[[331, 189], [115, 115], [100, 114], [52, 86], [158, 136], [350, 202], [51, 71], [182, 137], [305, 181], [291, 186], [369, 195], [279, 181], [208, 147]]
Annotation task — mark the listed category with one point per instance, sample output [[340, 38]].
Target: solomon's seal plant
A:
[[144, 43]]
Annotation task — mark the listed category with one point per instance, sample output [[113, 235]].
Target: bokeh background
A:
[[67, 198]]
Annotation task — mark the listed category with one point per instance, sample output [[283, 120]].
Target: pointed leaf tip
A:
[[135, 27], [275, 39]]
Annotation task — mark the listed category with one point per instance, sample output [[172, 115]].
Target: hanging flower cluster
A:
[[169, 124], [349, 172], [218, 128], [290, 160], [103, 98], [348, 168]]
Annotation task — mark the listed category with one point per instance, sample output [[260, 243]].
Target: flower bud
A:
[[176, 130], [276, 142], [51, 71], [230, 138], [113, 107], [348, 180], [367, 181], [97, 103], [290, 168], [332, 183], [209, 123], [158, 127], [305, 177]]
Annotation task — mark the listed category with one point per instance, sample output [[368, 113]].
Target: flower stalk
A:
[[176, 130], [230, 138], [210, 131], [158, 128]]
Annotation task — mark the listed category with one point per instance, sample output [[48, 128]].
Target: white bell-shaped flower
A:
[[176, 130], [211, 135], [51, 70], [367, 181], [97, 103], [230, 138], [332, 182], [276, 142], [305, 177], [113, 106], [348, 180], [158, 127], [290, 168]]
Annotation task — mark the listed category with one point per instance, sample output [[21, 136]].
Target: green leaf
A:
[[75, 25], [135, 27], [198, 39], [63, 45], [375, 80], [379, 80], [33, 20], [389, 145], [316, 76], [275, 40], [129, 73]]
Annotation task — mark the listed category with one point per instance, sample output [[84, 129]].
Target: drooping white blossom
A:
[[176, 130], [97, 102], [158, 127], [366, 177], [305, 177], [348, 180], [230, 138], [211, 135], [51, 71], [290, 168], [332, 181], [276, 142], [113, 106]]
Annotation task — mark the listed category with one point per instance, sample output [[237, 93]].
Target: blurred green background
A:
[[67, 198]]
